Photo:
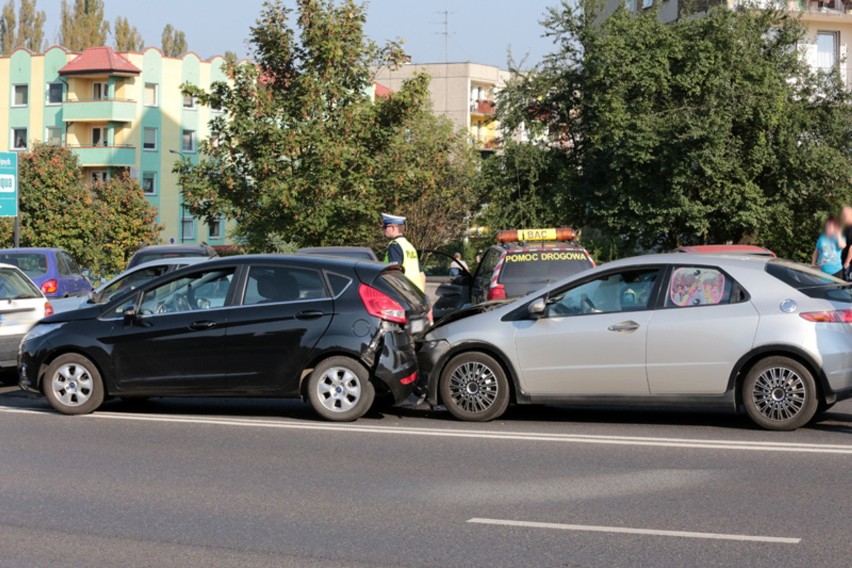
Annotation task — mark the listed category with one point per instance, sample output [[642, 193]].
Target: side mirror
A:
[[537, 309], [130, 315]]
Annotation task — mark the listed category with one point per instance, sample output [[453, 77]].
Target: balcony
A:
[[99, 110], [835, 7], [483, 107], [105, 156]]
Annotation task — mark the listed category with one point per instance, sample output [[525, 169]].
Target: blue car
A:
[[53, 270]]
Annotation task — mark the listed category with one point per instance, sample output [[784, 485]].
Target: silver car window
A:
[[626, 291], [697, 286]]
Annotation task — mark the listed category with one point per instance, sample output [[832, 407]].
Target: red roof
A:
[[99, 60], [382, 91], [726, 249]]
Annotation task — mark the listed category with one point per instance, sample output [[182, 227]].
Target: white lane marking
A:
[[459, 433], [627, 530]]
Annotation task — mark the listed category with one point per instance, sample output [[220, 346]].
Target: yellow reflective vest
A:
[[410, 262]]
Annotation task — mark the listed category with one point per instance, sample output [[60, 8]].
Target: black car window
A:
[[810, 281], [489, 263], [338, 282], [271, 284], [701, 286], [62, 264], [400, 284], [543, 265], [626, 291], [199, 291]]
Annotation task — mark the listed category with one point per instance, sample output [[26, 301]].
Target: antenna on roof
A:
[[446, 33]]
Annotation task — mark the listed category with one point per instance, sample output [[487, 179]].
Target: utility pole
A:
[[446, 34]]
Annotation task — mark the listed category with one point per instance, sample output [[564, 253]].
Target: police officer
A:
[[400, 251]]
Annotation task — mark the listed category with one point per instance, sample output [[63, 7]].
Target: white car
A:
[[22, 305], [127, 280]]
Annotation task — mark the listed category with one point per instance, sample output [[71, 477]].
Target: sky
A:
[[481, 30]]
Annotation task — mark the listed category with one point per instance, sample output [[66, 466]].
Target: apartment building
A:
[[463, 92], [118, 112]]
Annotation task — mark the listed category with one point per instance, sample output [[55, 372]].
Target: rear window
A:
[[543, 266], [809, 281], [400, 284], [149, 256], [33, 264], [15, 286]]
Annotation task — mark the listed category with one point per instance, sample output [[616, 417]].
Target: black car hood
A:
[[467, 312], [80, 314]]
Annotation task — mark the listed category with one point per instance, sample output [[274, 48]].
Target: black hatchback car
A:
[[333, 331]]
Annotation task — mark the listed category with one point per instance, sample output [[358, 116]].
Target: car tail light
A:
[[380, 305], [409, 379], [48, 309], [497, 292], [49, 286], [837, 316]]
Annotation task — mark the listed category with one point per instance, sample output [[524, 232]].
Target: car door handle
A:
[[309, 315], [202, 325], [624, 327]]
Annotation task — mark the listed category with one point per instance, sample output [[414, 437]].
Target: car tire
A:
[[780, 393], [474, 387], [340, 390], [72, 384]]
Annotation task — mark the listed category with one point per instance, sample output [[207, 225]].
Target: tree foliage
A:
[[24, 29], [100, 225], [127, 37], [710, 129], [301, 154], [83, 24], [173, 42]]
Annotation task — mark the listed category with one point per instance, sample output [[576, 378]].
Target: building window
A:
[[19, 139], [216, 228], [54, 93], [187, 143], [21, 95], [99, 176], [187, 226], [827, 50], [53, 135], [99, 136], [152, 95], [100, 91], [149, 183], [647, 3], [149, 139], [189, 102]]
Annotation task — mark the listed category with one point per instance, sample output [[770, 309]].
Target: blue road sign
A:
[[8, 184]]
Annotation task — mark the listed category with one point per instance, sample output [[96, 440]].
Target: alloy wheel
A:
[[779, 393], [72, 384], [339, 389], [473, 387]]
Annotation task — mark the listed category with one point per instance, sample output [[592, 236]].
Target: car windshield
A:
[[809, 281], [34, 264], [131, 281], [543, 266], [15, 286]]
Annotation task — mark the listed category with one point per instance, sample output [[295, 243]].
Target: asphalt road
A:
[[250, 483]]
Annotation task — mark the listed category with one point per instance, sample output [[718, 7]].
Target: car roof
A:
[[726, 249], [544, 245], [173, 248], [39, 250], [699, 259]]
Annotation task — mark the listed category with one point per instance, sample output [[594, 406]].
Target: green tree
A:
[[127, 37], [99, 226], [710, 129], [31, 26], [230, 58], [173, 42], [83, 24], [301, 154], [8, 21]]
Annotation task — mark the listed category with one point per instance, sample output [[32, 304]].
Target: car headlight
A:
[[41, 329]]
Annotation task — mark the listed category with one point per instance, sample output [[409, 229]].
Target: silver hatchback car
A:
[[768, 335]]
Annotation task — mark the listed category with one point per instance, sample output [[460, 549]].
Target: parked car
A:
[[329, 330], [127, 280], [726, 249], [53, 270], [684, 330], [157, 252], [361, 253], [22, 304]]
